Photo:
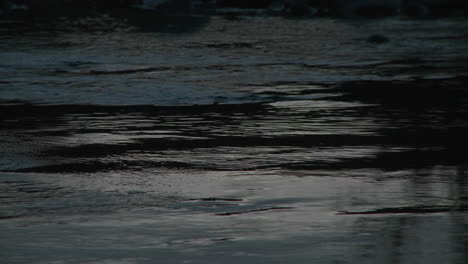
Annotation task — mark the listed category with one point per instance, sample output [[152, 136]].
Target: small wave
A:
[[408, 210], [254, 211]]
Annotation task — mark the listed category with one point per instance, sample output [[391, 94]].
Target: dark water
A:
[[255, 140]]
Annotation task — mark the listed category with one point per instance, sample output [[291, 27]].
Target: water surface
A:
[[256, 140]]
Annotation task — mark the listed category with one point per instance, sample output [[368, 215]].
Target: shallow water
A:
[[256, 140]]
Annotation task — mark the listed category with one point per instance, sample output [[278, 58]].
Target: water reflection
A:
[[279, 157], [280, 171]]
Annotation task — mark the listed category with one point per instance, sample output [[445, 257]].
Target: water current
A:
[[209, 139]]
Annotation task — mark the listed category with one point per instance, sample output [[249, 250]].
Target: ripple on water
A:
[[236, 143]]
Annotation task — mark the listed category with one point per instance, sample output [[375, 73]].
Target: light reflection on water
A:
[[257, 147]]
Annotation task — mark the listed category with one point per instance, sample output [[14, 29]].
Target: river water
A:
[[235, 140]]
